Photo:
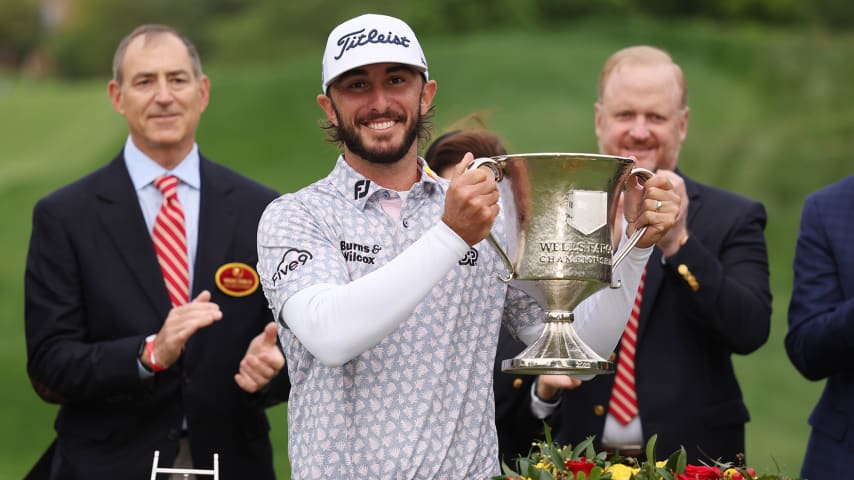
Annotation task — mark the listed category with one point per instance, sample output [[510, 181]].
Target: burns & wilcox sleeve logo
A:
[[470, 258], [291, 260], [351, 40], [356, 252]]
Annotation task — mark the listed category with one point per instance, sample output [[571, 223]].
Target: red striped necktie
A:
[[170, 241], [624, 402]]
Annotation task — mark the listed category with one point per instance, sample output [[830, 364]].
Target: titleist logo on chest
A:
[[358, 38]]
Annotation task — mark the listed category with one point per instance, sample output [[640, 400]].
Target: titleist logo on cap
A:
[[358, 38]]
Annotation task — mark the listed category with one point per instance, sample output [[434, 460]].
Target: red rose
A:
[[581, 465], [693, 472]]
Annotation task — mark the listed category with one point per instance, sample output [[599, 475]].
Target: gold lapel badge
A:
[[237, 279]]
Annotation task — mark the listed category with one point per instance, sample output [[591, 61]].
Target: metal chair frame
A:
[[155, 470]]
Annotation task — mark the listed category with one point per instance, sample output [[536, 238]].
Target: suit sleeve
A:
[[64, 363], [732, 300], [820, 339]]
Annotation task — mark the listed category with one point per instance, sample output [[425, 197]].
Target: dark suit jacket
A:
[[517, 426], [820, 340], [94, 291], [686, 387]]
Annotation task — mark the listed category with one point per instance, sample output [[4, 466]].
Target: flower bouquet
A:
[[549, 461]]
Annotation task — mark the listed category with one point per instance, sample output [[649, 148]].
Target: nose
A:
[[163, 94], [380, 98], [639, 129]]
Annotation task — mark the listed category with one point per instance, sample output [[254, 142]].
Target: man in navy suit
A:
[[821, 325], [133, 371], [706, 294]]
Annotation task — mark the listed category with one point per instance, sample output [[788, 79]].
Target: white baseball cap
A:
[[368, 39]]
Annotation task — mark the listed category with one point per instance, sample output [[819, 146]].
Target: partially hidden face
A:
[[640, 115]]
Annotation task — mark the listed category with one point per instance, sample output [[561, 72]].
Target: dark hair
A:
[[153, 31], [450, 147]]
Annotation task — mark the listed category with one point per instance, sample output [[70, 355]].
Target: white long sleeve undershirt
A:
[[336, 323]]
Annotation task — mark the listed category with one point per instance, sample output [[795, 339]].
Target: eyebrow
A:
[[170, 73], [390, 69]]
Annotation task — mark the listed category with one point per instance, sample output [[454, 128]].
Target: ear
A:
[[427, 94], [114, 90], [205, 89], [326, 104], [683, 124], [597, 116]]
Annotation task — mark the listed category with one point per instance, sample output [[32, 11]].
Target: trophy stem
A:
[[558, 350]]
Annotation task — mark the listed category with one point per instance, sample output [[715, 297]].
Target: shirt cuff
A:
[[539, 407]]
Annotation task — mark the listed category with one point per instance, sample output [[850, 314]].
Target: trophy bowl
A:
[[560, 210]]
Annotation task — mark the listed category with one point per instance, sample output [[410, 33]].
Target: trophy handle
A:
[[621, 254], [491, 164]]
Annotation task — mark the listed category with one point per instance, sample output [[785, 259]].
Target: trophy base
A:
[[556, 366]]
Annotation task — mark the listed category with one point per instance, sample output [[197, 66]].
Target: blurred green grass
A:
[[772, 118]]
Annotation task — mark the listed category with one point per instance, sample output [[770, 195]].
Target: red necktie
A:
[[624, 402], [170, 241]]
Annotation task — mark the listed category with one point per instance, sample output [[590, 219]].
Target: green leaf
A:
[[558, 460], [664, 473], [507, 470], [576, 452], [682, 460], [590, 452], [650, 448], [548, 432], [677, 461]]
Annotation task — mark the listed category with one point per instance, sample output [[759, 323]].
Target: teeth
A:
[[381, 125]]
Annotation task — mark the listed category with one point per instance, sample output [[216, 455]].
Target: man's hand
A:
[[471, 203], [549, 386], [181, 323], [655, 205], [262, 362], [673, 240]]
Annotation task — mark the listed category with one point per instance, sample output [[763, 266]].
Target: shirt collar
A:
[[143, 170], [360, 190]]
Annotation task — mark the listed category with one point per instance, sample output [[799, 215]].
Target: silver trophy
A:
[[560, 210]]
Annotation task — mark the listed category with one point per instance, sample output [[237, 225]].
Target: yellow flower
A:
[[621, 472], [733, 474]]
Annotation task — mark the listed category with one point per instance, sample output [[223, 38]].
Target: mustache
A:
[[387, 114], [641, 143]]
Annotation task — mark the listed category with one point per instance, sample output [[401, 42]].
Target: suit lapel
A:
[[654, 269], [121, 218], [217, 221], [652, 284]]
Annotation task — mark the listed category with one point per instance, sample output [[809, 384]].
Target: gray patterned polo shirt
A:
[[419, 404]]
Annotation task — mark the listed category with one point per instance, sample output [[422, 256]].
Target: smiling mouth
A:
[[164, 116], [639, 150], [381, 125]]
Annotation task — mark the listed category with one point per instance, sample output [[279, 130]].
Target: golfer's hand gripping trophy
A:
[[560, 213]]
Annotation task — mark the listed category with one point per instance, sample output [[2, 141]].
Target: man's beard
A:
[[354, 143]]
